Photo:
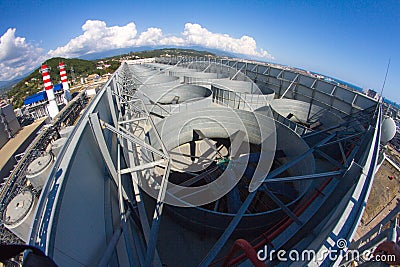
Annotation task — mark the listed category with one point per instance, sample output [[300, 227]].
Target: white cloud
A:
[[197, 35], [97, 37], [17, 57], [155, 36], [150, 37]]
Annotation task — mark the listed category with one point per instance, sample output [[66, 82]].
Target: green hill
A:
[[33, 83]]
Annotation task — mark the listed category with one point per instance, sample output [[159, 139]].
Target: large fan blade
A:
[[204, 157], [266, 159], [282, 189], [245, 159], [195, 156], [207, 175], [185, 172], [233, 197], [237, 144], [198, 134]]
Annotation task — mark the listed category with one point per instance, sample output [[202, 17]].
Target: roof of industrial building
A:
[[41, 96]]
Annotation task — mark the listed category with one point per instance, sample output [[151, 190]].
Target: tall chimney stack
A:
[[48, 85], [65, 85]]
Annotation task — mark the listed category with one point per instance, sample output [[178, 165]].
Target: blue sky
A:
[[349, 40]]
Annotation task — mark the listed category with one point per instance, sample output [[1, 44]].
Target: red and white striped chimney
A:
[[64, 81], [63, 75], [48, 85]]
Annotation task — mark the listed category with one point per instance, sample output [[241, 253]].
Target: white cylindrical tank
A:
[[65, 132], [57, 145], [388, 130], [18, 216], [48, 148], [38, 171]]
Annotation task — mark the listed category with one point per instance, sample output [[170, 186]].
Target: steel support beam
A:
[[98, 133], [290, 85], [133, 139], [304, 177], [330, 159], [245, 205], [151, 246], [133, 261], [142, 167]]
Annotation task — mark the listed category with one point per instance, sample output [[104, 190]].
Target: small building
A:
[[92, 78], [37, 104]]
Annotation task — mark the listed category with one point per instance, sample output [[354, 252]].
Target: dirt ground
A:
[[393, 153], [382, 199]]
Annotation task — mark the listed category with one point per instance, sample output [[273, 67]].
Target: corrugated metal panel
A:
[[3, 135], [35, 98], [58, 87], [14, 126]]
